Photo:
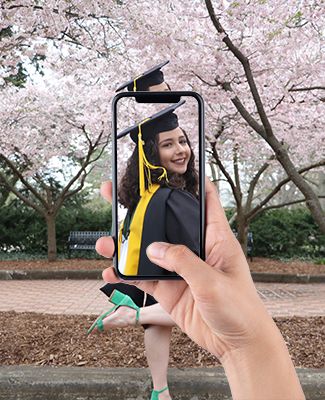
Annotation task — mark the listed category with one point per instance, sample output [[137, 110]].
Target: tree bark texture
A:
[[51, 237]]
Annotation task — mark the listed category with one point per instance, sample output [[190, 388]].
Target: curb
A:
[[63, 383], [97, 274], [45, 274], [287, 278]]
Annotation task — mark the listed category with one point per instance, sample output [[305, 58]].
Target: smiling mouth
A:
[[180, 161]]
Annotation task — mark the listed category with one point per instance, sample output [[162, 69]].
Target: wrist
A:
[[262, 369]]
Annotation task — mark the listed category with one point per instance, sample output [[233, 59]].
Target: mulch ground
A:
[[257, 265], [56, 340]]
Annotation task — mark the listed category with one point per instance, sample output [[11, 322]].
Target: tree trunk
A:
[[242, 230], [214, 176], [51, 237], [312, 201], [321, 187]]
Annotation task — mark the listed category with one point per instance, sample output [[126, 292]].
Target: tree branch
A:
[[246, 65], [55, 11], [242, 110], [289, 203], [225, 173], [306, 89], [204, 81], [16, 171], [70, 193], [278, 103], [254, 183], [255, 210], [25, 199], [236, 171], [82, 171]]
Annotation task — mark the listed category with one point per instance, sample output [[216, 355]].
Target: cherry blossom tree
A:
[[55, 144], [262, 122], [258, 64], [54, 124], [260, 68]]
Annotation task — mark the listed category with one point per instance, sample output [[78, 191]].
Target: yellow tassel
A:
[[145, 166], [135, 83]]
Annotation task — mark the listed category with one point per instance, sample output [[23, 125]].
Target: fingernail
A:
[[157, 250]]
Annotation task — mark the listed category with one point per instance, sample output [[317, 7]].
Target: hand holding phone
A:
[[218, 307]]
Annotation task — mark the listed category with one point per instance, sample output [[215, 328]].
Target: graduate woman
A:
[[170, 148]]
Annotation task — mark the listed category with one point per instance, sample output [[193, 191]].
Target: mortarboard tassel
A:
[[145, 166], [135, 83]]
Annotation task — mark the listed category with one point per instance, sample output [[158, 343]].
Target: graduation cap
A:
[[142, 82], [162, 121]]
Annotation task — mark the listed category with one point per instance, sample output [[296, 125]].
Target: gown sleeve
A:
[[183, 220]]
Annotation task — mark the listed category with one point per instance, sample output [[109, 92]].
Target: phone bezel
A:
[[157, 97]]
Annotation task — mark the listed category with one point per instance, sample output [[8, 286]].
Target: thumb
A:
[[183, 261]]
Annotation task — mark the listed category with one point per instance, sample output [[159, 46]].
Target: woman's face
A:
[[174, 151], [161, 87]]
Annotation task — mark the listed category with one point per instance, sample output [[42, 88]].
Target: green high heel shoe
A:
[[155, 393], [119, 299]]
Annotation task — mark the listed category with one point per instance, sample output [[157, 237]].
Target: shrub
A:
[[24, 230], [287, 233]]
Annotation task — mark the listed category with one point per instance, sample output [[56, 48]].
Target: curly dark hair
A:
[[128, 193]]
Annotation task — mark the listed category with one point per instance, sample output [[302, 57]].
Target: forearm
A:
[[263, 371]]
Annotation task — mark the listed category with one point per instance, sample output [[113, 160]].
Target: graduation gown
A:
[[172, 216], [162, 215]]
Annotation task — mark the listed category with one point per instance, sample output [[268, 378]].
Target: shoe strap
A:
[[121, 299], [100, 325], [160, 391], [118, 299], [99, 322], [137, 316]]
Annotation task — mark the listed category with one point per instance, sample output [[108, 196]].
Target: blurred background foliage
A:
[[282, 233], [23, 230], [286, 233]]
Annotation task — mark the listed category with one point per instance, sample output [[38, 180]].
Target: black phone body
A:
[[196, 225]]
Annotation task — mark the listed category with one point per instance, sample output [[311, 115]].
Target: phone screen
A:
[[158, 179]]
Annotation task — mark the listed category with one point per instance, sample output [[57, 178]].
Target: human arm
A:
[[218, 307]]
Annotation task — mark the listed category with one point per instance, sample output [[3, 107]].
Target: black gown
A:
[[179, 220]]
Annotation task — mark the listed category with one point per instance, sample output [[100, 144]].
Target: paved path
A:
[[84, 297]]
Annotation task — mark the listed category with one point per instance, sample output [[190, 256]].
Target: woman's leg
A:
[[157, 343], [149, 315], [155, 315]]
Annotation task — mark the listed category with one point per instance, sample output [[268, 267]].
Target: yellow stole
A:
[[130, 260], [135, 236]]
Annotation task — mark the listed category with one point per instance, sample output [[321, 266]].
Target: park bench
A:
[[84, 240]]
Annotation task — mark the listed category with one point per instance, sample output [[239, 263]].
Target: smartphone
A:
[[158, 178]]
